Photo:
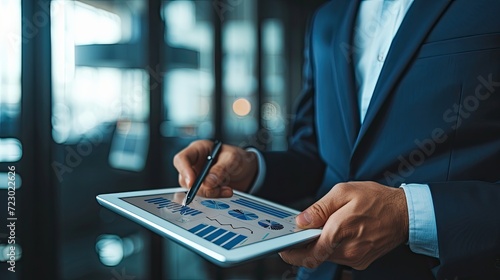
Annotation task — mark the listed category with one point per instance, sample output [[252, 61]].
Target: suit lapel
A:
[[417, 23], [343, 70]]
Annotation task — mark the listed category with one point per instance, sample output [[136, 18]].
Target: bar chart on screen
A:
[[163, 203], [262, 208], [224, 238]]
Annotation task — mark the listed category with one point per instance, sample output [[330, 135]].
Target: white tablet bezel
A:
[[205, 248]]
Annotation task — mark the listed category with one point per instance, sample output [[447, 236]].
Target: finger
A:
[[182, 181], [209, 192], [189, 160], [300, 256], [226, 191], [220, 174], [217, 183], [316, 215], [310, 255], [183, 164], [232, 162], [211, 188], [320, 250], [221, 192], [213, 184], [352, 249]]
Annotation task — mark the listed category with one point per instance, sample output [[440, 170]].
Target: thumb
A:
[[316, 215]]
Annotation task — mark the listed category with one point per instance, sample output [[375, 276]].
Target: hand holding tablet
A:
[[228, 228], [226, 231]]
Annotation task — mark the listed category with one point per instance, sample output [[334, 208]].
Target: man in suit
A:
[[397, 133]]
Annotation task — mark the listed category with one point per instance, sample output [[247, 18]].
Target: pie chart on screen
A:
[[243, 215], [270, 224], [214, 204]]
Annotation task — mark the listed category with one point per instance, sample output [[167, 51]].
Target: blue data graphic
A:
[[214, 204], [270, 224], [243, 215], [161, 202], [229, 224], [262, 208], [224, 238]]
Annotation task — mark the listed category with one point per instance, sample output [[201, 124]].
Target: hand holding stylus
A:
[[204, 172], [233, 168]]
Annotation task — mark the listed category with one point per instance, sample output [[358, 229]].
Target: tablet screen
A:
[[227, 222]]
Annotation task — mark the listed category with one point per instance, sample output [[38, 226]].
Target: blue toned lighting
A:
[[110, 249]]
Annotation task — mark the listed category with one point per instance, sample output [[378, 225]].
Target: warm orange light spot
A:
[[242, 107]]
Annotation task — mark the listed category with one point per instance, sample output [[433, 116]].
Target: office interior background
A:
[[97, 96]]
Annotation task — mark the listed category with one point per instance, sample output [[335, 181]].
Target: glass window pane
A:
[[101, 26], [10, 80], [274, 118], [87, 91], [100, 122], [10, 67], [188, 87], [239, 74], [11, 150], [10, 56], [4, 181]]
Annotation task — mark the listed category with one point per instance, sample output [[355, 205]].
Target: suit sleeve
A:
[[468, 227], [297, 172]]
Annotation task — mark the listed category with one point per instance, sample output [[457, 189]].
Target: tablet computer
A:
[[226, 231]]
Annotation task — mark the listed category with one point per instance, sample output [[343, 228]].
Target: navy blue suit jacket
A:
[[434, 119]]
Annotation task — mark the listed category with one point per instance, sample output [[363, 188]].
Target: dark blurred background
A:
[[97, 96]]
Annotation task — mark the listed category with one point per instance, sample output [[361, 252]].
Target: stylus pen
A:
[[204, 172]]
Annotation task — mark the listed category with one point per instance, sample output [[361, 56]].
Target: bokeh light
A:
[[242, 107]]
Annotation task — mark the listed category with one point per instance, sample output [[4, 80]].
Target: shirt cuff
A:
[[422, 220], [261, 171]]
